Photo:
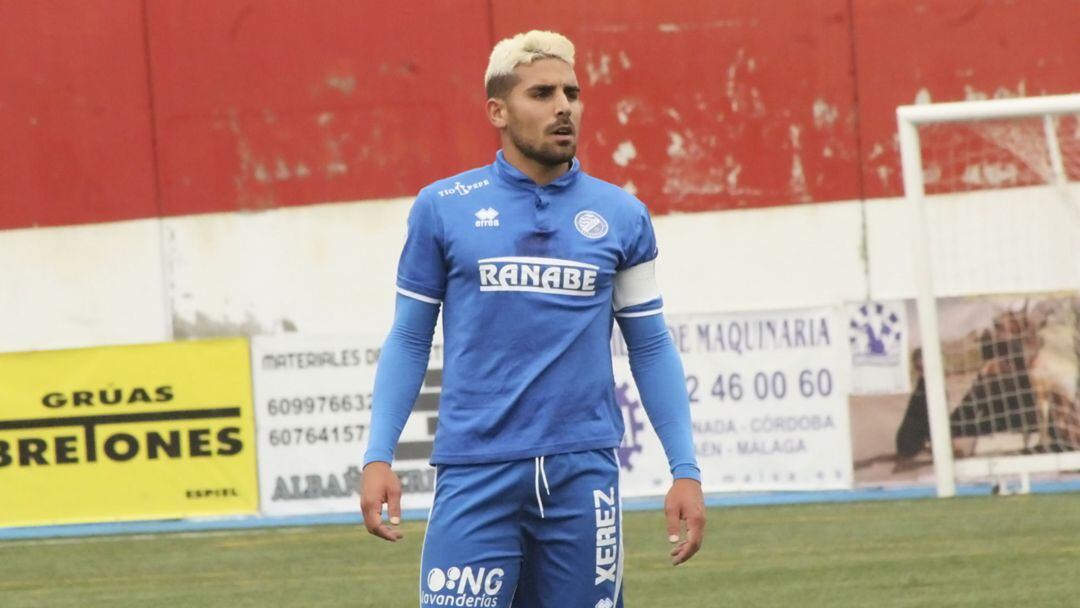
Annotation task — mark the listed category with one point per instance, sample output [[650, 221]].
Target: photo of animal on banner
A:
[[1012, 375]]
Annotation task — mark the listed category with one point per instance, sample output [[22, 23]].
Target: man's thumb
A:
[[672, 525]]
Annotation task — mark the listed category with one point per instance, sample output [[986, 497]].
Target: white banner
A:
[[312, 417], [769, 403]]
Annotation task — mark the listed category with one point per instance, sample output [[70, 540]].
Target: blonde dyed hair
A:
[[523, 49]]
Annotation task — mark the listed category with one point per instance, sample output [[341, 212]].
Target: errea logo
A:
[[461, 189], [487, 218]]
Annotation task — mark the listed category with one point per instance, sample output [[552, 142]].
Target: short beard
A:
[[545, 154]]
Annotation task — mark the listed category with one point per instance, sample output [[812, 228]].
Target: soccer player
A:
[[531, 260]]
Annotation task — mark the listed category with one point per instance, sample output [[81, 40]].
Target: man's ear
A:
[[496, 112]]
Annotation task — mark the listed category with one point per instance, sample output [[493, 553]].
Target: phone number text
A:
[[313, 435], [319, 404], [761, 386]]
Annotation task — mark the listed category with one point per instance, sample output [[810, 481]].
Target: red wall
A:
[[263, 104], [121, 109], [954, 50], [719, 97], [75, 130]]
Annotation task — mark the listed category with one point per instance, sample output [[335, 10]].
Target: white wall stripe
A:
[[218, 260]]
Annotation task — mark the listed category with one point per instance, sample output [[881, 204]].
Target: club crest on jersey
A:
[[590, 224], [539, 275], [487, 218]]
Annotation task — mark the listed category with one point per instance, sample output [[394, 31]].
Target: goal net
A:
[[994, 192]]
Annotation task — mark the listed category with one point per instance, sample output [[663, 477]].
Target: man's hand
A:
[[381, 486], [684, 503]]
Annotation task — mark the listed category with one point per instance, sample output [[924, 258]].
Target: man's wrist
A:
[[378, 454], [686, 471]]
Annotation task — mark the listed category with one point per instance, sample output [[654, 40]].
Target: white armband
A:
[[635, 286]]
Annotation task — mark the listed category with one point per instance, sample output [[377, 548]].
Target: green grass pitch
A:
[[986, 552]]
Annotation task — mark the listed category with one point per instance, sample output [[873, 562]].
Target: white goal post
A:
[[1056, 174]]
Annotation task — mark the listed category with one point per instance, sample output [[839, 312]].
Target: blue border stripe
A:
[[630, 504]]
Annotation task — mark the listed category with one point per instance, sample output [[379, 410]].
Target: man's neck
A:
[[538, 172]]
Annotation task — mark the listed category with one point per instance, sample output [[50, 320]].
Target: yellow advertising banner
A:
[[150, 431]]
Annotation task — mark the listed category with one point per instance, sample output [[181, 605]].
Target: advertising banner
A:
[[313, 415], [133, 432], [768, 398]]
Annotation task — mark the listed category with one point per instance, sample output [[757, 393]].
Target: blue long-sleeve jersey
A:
[[527, 277]]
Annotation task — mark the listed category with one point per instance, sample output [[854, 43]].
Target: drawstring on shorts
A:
[[539, 474]]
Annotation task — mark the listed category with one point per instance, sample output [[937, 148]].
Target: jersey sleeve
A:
[[641, 246], [422, 268], [660, 378], [635, 291]]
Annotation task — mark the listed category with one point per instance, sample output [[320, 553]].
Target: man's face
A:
[[543, 111]]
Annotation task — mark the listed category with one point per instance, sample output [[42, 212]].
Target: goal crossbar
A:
[[958, 111]]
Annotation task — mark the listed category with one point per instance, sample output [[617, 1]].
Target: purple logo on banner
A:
[[631, 409], [875, 335]]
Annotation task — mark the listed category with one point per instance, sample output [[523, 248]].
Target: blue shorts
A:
[[532, 533]]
